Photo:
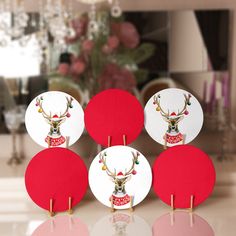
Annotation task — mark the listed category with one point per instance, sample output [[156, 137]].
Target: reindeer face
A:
[[173, 123], [55, 125], [120, 183]]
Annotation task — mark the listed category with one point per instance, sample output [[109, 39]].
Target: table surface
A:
[[23, 217]]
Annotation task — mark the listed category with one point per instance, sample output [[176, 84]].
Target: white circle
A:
[[172, 100], [121, 224], [38, 124], [120, 158]]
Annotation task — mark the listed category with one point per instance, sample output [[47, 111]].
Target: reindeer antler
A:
[[102, 159], [186, 103], [39, 102], [156, 100], [68, 105], [134, 161]]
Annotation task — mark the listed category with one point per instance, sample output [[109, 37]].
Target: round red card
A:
[[183, 171], [114, 113], [57, 174]]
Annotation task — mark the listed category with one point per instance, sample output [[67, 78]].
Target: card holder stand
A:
[[51, 203], [191, 203], [131, 209]]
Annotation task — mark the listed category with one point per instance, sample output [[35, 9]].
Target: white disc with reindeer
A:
[[173, 116], [54, 119], [120, 175]]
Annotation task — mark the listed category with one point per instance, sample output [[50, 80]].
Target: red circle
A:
[[114, 113], [183, 171], [57, 174]]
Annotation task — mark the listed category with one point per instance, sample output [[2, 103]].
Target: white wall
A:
[[187, 51]]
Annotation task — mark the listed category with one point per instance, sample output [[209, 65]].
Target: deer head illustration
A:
[[54, 120], [172, 118], [120, 178]]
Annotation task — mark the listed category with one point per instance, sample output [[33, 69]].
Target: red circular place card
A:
[[183, 171], [114, 113], [181, 224], [57, 174], [62, 226]]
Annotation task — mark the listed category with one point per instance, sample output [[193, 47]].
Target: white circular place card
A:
[[173, 116], [54, 119], [120, 177]]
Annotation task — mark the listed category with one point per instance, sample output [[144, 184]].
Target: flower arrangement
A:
[[107, 57]]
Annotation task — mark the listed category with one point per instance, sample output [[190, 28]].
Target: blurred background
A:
[[84, 47]]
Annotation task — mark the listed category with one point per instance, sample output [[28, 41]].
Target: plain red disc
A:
[[183, 171], [56, 173], [114, 113]]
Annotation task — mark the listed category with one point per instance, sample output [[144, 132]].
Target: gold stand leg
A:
[[165, 143], [191, 203], [184, 138], [112, 204], [51, 213], [131, 204], [109, 141], [67, 141], [172, 200], [49, 142], [124, 140], [70, 211]]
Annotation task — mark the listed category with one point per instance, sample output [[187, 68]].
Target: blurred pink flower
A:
[[113, 42], [87, 45], [106, 49], [114, 76], [63, 69], [78, 67], [126, 33]]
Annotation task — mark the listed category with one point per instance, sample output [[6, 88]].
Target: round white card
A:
[[120, 175], [121, 224], [173, 116], [53, 119]]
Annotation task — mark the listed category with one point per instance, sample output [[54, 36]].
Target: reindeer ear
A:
[[63, 120], [181, 118], [112, 179], [128, 178], [165, 119]]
